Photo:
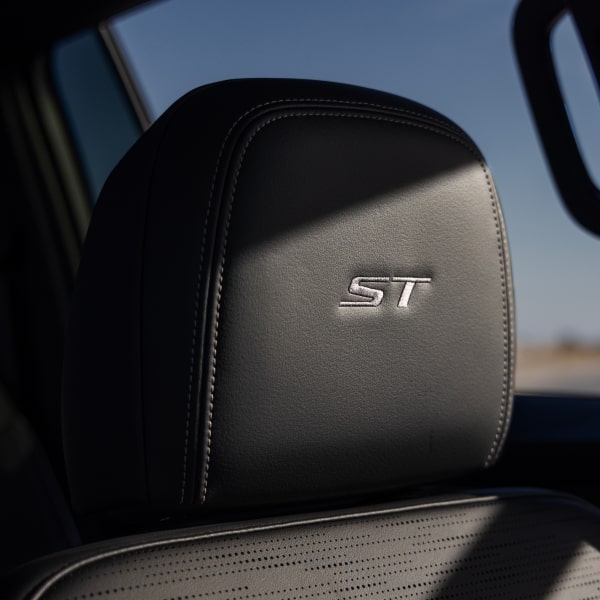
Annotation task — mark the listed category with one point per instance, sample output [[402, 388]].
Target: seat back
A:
[[519, 545]]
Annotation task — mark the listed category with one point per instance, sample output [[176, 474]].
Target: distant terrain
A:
[[563, 368]]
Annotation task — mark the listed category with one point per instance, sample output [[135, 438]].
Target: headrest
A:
[[290, 291]]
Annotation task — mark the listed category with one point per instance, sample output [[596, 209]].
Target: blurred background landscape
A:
[[568, 366]]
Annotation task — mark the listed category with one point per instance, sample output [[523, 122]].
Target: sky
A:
[[454, 56]]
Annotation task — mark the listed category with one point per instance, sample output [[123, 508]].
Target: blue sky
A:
[[454, 56]]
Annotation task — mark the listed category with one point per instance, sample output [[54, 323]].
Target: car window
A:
[[455, 57], [579, 91], [99, 114]]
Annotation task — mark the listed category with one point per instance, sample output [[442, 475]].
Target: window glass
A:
[[579, 91], [455, 57], [98, 112]]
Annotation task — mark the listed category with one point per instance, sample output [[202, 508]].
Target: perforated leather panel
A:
[[520, 548]]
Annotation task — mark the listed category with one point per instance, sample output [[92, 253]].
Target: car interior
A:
[[279, 362]]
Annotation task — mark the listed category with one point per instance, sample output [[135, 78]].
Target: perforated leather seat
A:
[[295, 300]]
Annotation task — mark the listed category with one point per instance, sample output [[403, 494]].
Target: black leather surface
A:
[[514, 546], [34, 515], [210, 361]]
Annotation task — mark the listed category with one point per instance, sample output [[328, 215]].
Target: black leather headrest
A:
[[290, 290]]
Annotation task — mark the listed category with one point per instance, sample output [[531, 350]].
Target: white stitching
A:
[[505, 385], [203, 247], [194, 332], [509, 331]]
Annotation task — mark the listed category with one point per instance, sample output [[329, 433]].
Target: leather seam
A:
[[195, 332], [317, 113], [506, 318], [184, 477], [509, 325]]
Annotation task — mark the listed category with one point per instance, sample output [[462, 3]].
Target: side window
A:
[[578, 87], [99, 114], [458, 60], [417, 53]]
